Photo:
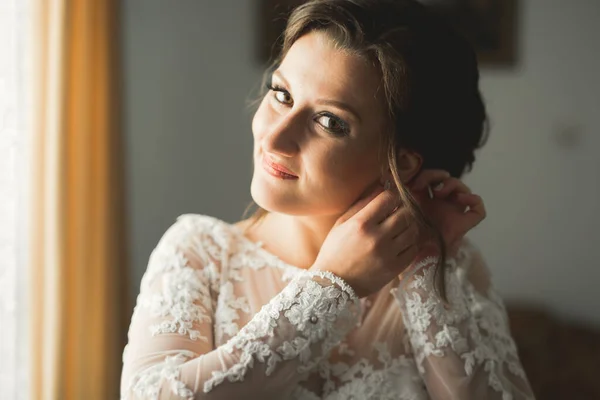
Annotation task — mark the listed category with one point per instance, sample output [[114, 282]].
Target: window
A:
[[14, 20]]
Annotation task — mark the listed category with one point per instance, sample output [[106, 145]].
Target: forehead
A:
[[315, 67]]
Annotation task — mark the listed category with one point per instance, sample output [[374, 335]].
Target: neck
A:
[[297, 240]]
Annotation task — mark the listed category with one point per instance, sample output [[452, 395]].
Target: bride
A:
[[353, 280]]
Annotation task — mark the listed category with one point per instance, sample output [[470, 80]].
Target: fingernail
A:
[[438, 187]]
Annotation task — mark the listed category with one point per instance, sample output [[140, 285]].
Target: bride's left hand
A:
[[454, 209]]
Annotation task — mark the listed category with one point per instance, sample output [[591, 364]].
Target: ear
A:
[[409, 164]]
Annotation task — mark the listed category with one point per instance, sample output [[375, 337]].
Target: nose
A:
[[283, 135]]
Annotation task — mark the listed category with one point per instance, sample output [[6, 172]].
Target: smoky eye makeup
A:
[[328, 121]]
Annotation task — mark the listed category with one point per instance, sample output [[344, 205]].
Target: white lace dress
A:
[[219, 317]]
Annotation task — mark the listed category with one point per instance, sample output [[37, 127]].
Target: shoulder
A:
[[467, 253], [193, 241], [195, 229], [471, 265], [199, 223]]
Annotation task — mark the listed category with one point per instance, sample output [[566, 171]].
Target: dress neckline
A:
[[258, 247], [279, 263]]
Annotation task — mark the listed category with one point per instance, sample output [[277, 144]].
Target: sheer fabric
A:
[[219, 317]]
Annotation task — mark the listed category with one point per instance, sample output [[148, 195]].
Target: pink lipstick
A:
[[277, 170]]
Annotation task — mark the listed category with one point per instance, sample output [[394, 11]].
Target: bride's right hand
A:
[[371, 244]]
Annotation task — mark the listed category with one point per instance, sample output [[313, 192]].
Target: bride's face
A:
[[323, 121]]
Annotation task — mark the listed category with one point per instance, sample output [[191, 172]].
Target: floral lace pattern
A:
[[316, 312], [474, 325], [201, 330], [147, 384], [395, 378], [227, 311], [184, 300]]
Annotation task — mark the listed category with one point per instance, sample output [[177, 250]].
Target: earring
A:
[[387, 185]]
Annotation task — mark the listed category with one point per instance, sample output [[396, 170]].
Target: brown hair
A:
[[430, 79]]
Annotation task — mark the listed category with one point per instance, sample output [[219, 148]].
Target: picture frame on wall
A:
[[490, 26]]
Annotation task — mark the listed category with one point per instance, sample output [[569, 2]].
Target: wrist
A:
[[336, 278], [427, 255]]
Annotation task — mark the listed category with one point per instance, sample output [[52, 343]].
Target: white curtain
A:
[[15, 17]]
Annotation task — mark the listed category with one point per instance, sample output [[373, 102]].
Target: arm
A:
[[464, 351], [171, 355]]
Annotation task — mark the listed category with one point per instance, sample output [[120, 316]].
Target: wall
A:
[[187, 129], [189, 67], [541, 237]]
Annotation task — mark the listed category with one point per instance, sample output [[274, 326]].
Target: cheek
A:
[[342, 175], [260, 120], [350, 168]]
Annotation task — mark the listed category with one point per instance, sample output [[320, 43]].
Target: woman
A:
[[338, 288]]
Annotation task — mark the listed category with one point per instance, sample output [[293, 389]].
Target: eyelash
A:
[[344, 130]]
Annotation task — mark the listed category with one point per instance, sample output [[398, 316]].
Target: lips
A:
[[278, 168]]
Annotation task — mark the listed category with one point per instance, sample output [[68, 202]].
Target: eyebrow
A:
[[335, 103]]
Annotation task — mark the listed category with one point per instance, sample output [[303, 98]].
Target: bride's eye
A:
[[281, 95], [333, 124]]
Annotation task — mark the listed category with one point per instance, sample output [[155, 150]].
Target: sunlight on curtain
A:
[[14, 17]]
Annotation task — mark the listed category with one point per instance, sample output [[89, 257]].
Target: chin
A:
[[269, 198], [273, 199]]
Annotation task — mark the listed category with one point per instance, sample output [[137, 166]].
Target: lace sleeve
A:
[[170, 352], [464, 351]]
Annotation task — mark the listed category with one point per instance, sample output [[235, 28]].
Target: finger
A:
[[407, 237], [475, 212], [407, 258], [450, 186], [428, 176], [380, 207], [396, 223], [365, 198], [406, 246], [474, 202]]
